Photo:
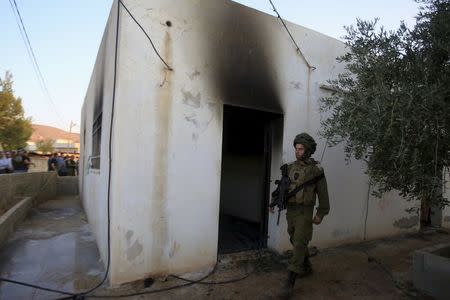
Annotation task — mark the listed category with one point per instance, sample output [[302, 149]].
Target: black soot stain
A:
[[244, 70]]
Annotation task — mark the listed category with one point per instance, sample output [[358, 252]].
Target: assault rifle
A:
[[281, 195]]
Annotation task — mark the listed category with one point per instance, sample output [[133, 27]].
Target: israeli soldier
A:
[[300, 207]]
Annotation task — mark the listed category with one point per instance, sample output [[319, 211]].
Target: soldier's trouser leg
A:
[[299, 220]]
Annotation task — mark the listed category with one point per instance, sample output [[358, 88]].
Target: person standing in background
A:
[[21, 162], [71, 166], [6, 165], [61, 165]]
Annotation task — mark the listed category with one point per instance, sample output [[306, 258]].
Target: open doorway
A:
[[245, 178]]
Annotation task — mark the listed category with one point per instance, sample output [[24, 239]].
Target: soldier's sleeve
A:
[[322, 193]]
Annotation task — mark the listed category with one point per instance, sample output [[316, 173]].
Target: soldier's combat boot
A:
[[307, 268], [288, 286]]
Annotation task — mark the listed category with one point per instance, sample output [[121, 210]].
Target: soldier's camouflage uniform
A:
[[300, 208]]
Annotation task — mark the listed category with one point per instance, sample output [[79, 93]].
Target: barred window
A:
[[96, 141], [97, 130]]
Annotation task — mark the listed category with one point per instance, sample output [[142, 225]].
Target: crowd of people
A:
[[20, 162], [14, 161], [65, 165]]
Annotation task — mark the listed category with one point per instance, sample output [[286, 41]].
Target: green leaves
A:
[[45, 145], [15, 129], [392, 107]]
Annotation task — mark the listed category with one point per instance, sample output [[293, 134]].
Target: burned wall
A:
[[245, 73]]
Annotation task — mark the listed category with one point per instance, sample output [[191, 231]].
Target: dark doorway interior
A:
[[246, 156]]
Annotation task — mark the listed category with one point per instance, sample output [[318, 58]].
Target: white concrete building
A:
[[194, 151]]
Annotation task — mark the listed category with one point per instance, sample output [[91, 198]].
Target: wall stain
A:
[[447, 219], [195, 136], [174, 249], [216, 109], [405, 223], [128, 236], [134, 251], [164, 80], [191, 100], [201, 120], [163, 109], [244, 66], [194, 74], [192, 119], [212, 107], [296, 85]]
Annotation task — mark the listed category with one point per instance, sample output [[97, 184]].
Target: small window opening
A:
[[97, 133]]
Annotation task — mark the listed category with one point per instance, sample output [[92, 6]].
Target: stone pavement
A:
[[54, 247]]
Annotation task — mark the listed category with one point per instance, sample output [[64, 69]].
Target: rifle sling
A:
[[301, 186]]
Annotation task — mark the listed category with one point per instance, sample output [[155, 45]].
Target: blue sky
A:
[[66, 34]]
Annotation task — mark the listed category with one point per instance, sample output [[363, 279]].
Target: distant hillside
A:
[[44, 132]]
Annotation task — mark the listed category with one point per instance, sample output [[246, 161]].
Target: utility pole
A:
[[72, 124]]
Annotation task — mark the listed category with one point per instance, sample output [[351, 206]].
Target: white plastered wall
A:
[[94, 182], [169, 126]]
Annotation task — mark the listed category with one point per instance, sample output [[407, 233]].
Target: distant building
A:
[[63, 141]]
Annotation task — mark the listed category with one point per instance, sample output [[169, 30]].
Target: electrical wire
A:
[[148, 37], [34, 285], [25, 43], [83, 294], [323, 151], [157, 290], [32, 56], [87, 294], [189, 283], [108, 263], [120, 3], [214, 282], [292, 38]]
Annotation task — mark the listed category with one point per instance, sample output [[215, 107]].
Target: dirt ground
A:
[[378, 269], [55, 248]]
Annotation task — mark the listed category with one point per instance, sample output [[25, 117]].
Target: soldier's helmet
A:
[[307, 141]]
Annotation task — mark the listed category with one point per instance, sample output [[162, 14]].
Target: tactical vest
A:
[[299, 172]]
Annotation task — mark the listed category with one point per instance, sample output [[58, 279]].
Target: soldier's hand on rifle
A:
[[317, 220], [271, 210]]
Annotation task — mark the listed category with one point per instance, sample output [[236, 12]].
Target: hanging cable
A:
[[25, 43], [214, 282], [292, 38], [189, 283], [323, 151], [108, 262], [32, 56], [88, 293], [148, 37], [83, 294]]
